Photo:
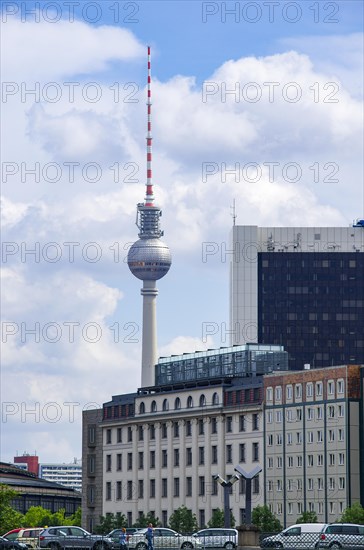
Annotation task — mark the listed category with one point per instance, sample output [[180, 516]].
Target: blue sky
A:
[[296, 73]]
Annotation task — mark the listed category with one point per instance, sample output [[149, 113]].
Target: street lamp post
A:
[[248, 476], [226, 486]]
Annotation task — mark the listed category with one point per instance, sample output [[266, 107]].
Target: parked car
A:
[[218, 538], [163, 538], [342, 535], [6, 544], [300, 536], [64, 536], [27, 535]]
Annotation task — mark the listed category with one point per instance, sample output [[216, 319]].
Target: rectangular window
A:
[[152, 459], [341, 411], [298, 391], [229, 424], [108, 490], [91, 435], [310, 460], [319, 413], [341, 459], [176, 457], [141, 460], [331, 411], [289, 438], [176, 487], [331, 459], [318, 389], [310, 437], [255, 421], [140, 488], [289, 392], [130, 461], [214, 425], [151, 432], [175, 429], [309, 389], [164, 458], [299, 461], [152, 488], [118, 490], [140, 433], [188, 486], [340, 386], [309, 413], [290, 462], [278, 416], [242, 452], [330, 387], [320, 483], [242, 423], [255, 452], [270, 440], [119, 462], [279, 438], [320, 436], [201, 426], [331, 435], [269, 417], [279, 462], [320, 460], [118, 435], [129, 490], [164, 430], [108, 436], [188, 428], [188, 456], [256, 485], [201, 517], [229, 454], [164, 487], [214, 454], [130, 434], [108, 463], [201, 455], [201, 486]]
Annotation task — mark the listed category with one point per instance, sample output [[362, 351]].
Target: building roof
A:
[[16, 477]]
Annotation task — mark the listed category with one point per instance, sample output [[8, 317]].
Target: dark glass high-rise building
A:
[[302, 288]]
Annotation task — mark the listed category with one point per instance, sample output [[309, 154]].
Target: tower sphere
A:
[[149, 259]]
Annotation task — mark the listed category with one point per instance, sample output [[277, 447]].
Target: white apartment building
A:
[[67, 474], [313, 442]]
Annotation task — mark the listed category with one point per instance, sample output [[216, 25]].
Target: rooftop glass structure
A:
[[228, 362]]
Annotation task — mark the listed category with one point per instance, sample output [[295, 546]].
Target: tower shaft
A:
[[149, 332]]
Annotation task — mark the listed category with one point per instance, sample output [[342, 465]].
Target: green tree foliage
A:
[[263, 518], [217, 519], [37, 516], [183, 520], [145, 520], [9, 518], [108, 523], [307, 517], [353, 514]]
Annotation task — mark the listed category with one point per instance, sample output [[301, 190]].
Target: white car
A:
[[218, 538], [301, 537], [163, 538]]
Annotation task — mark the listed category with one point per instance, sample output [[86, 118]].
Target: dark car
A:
[[63, 536], [6, 544]]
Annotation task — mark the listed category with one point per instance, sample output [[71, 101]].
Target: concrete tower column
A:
[[149, 332]]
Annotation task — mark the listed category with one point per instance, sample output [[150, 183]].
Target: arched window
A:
[[189, 402], [202, 401], [177, 403], [215, 399], [153, 407], [142, 408], [165, 405]]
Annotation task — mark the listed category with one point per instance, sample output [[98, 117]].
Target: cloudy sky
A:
[[257, 102]]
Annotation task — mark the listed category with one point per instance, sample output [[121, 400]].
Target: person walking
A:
[[123, 539], [150, 536]]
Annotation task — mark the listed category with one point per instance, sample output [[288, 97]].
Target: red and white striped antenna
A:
[[149, 199]]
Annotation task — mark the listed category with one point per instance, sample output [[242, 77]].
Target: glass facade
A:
[[313, 305], [235, 361]]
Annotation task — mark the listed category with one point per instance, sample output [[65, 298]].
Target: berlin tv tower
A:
[[149, 259]]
